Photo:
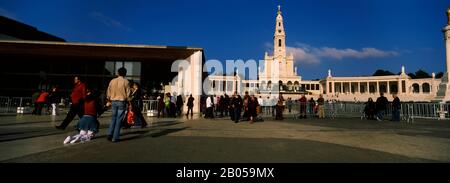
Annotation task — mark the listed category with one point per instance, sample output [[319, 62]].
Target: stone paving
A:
[[34, 139]]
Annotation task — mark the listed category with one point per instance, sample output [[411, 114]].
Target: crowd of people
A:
[[377, 110], [125, 101], [251, 107]]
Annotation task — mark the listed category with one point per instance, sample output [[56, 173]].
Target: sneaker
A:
[[67, 140], [77, 138], [85, 138], [59, 127]]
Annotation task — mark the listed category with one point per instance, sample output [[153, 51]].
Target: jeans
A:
[[237, 114], [396, 115], [380, 114], [190, 109], [118, 113]]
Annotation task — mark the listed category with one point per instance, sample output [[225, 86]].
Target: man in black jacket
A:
[[396, 106], [381, 106], [190, 105], [236, 103]]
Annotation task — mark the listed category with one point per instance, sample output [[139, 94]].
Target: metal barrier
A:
[[4, 104], [427, 110], [21, 105], [150, 107], [408, 111], [18, 105]]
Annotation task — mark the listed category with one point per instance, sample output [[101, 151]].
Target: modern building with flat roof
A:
[[37, 62]]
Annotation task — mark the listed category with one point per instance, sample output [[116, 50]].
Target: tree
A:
[[439, 75], [422, 74], [381, 72], [412, 75]]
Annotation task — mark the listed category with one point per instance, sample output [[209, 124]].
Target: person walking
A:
[[179, 104], [161, 105], [396, 106], [312, 105], [173, 105], [41, 101], [381, 106], [167, 105], [76, 108], [303, 101], [245, 116], [226, 105], [118, 93], [137, 106], [190, 105], [289, 104], [279, 108], [252, 105], [236, 103], [320, 109], [209, 107]]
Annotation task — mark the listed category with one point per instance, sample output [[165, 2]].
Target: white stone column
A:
[[359, 87], [378, 87], [388, 90], [342, 87], [447, 46], [327, 89], [194, 78], [368, 87], [333, 91], [233, 88]]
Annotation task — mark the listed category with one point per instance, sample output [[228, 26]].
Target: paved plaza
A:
[[172, 140]]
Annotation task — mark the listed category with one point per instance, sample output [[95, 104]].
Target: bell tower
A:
[[279, 38]]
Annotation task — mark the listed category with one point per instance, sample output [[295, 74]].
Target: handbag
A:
[[130, 117]]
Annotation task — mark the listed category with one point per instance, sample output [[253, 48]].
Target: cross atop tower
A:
[[279, 9]]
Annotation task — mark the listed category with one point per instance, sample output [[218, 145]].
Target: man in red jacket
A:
[[77, 98]]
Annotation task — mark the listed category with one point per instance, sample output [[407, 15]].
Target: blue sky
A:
[[352, 37]]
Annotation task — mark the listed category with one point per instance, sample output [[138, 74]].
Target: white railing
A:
[[408, 111], [16, 105], [150, 107]]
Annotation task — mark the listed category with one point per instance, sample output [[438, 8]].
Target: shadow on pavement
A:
[[142, 133]]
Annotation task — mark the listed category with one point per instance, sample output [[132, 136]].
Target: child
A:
[[88, 124]]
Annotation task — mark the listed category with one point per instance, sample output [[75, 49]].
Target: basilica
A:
[[278, 75]]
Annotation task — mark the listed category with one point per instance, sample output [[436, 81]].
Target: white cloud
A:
[[108, 21], [305, 53], [351, 53]]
